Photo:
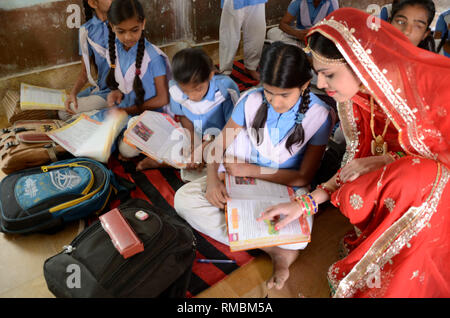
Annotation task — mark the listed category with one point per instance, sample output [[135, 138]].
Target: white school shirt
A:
[[154, 64], [213, 111], [272, 152], [93, 40]]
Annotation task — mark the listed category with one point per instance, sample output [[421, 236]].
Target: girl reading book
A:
[[139, 72], [287, 128], [93, 43], [202, 100]]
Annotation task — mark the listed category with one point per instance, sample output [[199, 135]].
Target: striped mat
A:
[[241, 77]]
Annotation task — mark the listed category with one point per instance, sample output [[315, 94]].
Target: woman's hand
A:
[[216, 192], [290, 211], [360, 166], [71, 99], [114, 98]]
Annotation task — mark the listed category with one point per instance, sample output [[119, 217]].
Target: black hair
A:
[[120, 11], [192, 65], [284, 66], [324, 46], [428, 5], [88, 11]]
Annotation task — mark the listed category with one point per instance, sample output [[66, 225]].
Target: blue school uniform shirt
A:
[[156, 68], [216, 117], [284, 122], [239, 4], [442, 26], [97, 32], [384, 14], [294, 10]]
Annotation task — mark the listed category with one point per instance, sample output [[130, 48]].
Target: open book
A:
[[160, 137], [35, 97], [249, 198], [87, 137]]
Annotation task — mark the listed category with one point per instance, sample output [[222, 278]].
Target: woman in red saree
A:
[[393, 184]]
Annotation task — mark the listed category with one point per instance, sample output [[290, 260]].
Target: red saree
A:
[[401, 212]]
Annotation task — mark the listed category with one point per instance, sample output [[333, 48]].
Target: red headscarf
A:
[[410, 84]]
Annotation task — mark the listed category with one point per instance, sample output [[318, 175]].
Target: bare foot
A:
[[254, 74], [282, 259], [149, 163]]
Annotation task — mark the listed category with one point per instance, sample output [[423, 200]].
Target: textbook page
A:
[[160, 137], [35, 97], [86, 137], [250, 188], [249, 198]]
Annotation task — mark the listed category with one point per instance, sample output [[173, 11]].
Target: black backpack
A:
[[91, 266]]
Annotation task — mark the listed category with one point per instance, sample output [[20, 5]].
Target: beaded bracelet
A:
[[324, 188]]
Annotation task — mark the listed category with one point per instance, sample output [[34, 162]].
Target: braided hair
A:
[[284, 66], [122, 10]]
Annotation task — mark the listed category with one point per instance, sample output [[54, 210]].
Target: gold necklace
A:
[[378, 146]]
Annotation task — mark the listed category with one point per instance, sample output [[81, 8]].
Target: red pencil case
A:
[[122, 235]]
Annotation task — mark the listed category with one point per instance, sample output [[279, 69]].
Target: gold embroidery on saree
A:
[[394, 239]]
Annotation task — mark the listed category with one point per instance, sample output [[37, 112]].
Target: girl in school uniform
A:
[[287, 129], [93, 45], [202, 100], [139, 72], [139, 69]]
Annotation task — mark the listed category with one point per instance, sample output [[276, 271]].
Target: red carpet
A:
[[241, 77]]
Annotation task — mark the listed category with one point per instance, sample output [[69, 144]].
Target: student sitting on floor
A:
[[306, 13], [292, 128], [202, 100], [93, 44], [139, 69]]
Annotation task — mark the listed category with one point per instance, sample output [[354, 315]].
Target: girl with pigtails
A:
[[285, 129], [93, 47], [139, 71], [138, 74]]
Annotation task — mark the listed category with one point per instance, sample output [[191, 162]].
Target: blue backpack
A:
[[45, 198]]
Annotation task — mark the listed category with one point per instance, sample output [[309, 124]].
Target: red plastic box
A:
[[122, 235]]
